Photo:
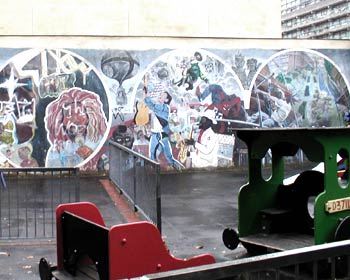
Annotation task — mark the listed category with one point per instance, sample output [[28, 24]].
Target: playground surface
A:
[[196, 208]]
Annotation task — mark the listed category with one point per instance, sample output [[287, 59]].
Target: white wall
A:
[[187, 18]]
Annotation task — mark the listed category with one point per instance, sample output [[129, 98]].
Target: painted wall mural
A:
[[55, 110], [59, 107]]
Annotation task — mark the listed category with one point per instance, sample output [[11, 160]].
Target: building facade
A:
[[315, 19]]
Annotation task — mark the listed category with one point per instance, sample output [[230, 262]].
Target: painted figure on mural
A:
[[346, 119], [123, 136], [239, 63], [192, 72], [141, 142], [320, 109], [214, 95], [207, 145], [229, 107], [75, 123], [252, 66], [25, 155], [159, 141], [276, 110], [7, 129]]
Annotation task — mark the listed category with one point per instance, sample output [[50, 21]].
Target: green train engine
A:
[[274, 215]]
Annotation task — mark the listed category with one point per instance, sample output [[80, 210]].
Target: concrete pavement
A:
[[196, 208]]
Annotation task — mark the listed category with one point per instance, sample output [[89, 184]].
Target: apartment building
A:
[[315, 19]]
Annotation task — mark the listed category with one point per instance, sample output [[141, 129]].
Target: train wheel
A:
[[230, 238], [44, 270], [343, 230], [342, 233]]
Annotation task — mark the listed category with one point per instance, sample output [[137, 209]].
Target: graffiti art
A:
[[54, 109], [299, 88], [198, 82], [181, 107]]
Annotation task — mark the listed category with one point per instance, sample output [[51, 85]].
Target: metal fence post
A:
[[159, 200], [30, 199], [134, 182], [143, 190]]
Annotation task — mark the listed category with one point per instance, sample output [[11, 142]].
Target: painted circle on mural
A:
[[54, 109], [197, 81], [299, 88], [197, 85]]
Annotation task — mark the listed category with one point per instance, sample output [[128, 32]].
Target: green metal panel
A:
[[319, 145]]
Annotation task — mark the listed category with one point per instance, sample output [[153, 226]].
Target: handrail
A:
[[138, 178], [229, 269], [132, 152]]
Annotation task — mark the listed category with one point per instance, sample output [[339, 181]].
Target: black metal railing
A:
[[326, 261], [29, 197], [138, 178]]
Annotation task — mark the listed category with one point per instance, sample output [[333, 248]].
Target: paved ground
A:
[[196, 208], [19, 259]]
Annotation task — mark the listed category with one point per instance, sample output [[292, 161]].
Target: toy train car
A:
[[276, 216], [87, 249]]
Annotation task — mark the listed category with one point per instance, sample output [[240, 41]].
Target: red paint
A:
[[144, 252], [119, 201], [85, 210], [135, 249]]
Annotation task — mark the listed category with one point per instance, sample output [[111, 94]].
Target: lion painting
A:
[[75, 123]]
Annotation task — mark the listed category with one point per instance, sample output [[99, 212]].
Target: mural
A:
[[299, 89], [54, 110], [199, 85], [75, 125], [180, 107]]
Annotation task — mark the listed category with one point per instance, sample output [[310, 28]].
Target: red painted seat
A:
[[134, 249]]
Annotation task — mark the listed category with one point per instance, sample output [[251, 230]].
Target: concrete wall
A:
[[45, 79], [189, 18], [55, 55]]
